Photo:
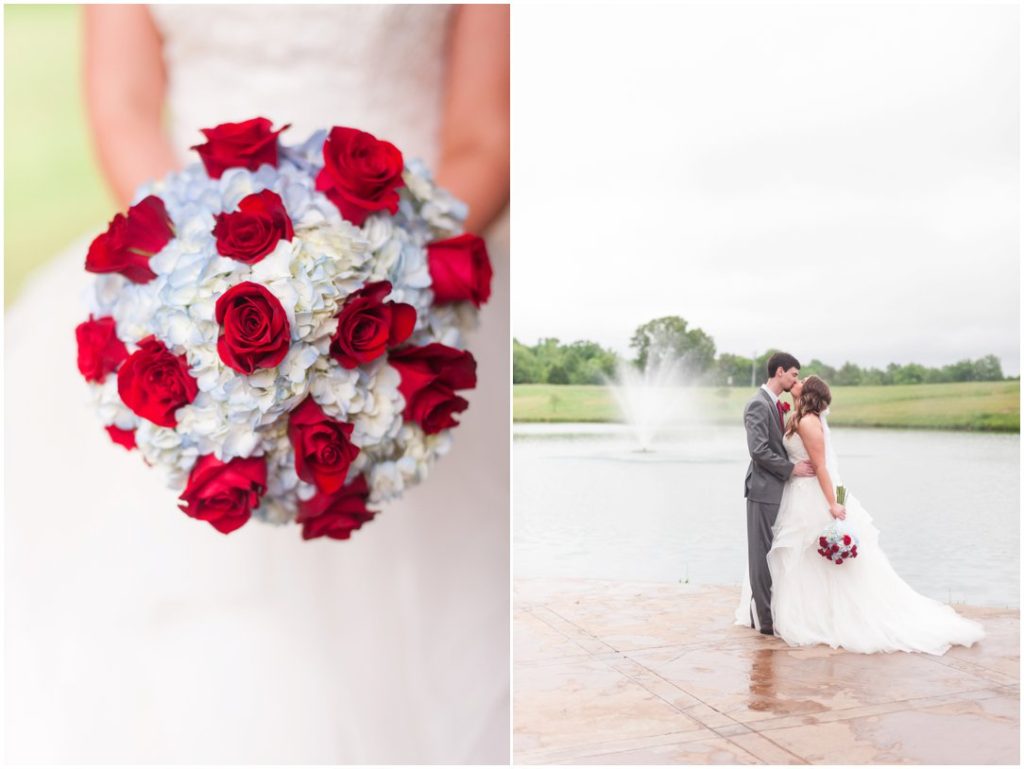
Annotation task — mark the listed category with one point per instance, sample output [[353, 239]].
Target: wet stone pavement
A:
[[639, 673]]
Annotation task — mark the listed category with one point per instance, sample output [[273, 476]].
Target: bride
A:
[[133, 635], [861, 605]]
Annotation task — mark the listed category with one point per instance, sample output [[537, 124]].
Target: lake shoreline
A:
[[832, 423], [979, 407]]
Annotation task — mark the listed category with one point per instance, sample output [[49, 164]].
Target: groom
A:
[[769, 470]]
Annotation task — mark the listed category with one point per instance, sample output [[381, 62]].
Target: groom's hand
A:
[[803, 469]]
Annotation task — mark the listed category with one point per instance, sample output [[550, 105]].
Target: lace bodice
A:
[[377, 68], [795, 449]]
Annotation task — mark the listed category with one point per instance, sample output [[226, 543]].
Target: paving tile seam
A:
[[619, 745], [551, 661], [740, 749], [763, 725], [678, 689], [954, 663], [759, 759], [709, 644], [549, 610], [579, 629], [966, 666], [849, 714], [697, 718], [799, 759], [715, 729]]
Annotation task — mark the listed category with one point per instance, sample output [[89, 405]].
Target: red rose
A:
[[838, 561], [121, 437], [248, 144], [225, 493], [130, 240], [361, 174], [336, 515], [430, 377], [99, 349], [835, 548], [255, 331], [323, 451], [846, 539], [822, 541], [785, 406], [154, 382], [253, 231], [460, 270], [368, 326]]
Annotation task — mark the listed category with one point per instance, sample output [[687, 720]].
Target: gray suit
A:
[[768, 472]]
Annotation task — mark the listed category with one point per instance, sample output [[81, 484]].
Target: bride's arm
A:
[[814, 441], [474, 162], [125, 85]]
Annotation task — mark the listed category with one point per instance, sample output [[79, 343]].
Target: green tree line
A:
[[584, 362]]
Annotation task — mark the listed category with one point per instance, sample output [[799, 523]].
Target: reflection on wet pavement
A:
[[762, 681], [651, 673]]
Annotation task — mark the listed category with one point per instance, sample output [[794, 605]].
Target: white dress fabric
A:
[[136, 634], [862, 604]]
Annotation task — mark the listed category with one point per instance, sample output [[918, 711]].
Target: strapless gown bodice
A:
[[795, 449], [376, 68]]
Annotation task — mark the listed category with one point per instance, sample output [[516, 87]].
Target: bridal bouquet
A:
[[837, 543], [280, 329]]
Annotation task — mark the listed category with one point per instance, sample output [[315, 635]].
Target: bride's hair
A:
[[814, 398]]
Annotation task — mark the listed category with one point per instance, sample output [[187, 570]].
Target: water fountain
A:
[[655, 399]]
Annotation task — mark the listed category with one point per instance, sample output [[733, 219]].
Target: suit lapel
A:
[[774, 408]]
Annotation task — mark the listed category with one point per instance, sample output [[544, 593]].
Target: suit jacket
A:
[[770, 468]]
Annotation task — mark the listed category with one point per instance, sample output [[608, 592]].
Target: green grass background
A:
[[989, 406], [53, 191]]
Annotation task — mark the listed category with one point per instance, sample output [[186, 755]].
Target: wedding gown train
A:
[[136, 634], [862, 604]]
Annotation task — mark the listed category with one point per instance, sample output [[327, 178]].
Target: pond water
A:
[[587, 504]]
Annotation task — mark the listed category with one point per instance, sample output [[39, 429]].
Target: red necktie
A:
[[782, 412]]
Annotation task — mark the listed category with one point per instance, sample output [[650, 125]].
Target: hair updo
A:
[[814, 398]]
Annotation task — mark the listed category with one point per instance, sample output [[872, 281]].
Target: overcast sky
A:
[[838, 181]]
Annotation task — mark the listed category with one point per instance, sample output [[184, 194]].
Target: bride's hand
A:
[[803, 469], [838, 511]]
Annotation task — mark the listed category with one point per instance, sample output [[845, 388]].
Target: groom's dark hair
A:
[[783, 359]]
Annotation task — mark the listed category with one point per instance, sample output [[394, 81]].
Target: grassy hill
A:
[[988, 406]]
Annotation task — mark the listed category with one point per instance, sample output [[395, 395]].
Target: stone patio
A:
[[614, 673]]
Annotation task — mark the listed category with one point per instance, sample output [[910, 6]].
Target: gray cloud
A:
[[841, 181]]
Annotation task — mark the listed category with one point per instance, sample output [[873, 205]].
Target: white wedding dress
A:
[[136, 634], [862, 604]]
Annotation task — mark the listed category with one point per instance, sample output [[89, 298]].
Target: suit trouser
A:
[[760, 519]]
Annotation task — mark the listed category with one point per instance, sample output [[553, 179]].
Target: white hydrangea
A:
[[168, 450], [380, 415], [415, 450], [328, 258], [429, 208], [109, 406]]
